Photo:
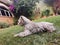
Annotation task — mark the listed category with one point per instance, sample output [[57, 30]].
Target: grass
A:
[[7, 35]]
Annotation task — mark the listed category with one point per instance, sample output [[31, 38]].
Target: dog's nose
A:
[[18, 22]]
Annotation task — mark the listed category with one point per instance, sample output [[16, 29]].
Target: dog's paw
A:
[[15, 35]]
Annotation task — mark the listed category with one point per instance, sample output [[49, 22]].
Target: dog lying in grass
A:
[[33, 27]]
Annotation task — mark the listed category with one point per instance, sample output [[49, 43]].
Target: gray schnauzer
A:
[[33, 27]]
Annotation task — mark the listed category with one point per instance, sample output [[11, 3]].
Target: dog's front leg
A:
[[23, 34]]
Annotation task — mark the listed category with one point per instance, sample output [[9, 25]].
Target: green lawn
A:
[[7, 35]]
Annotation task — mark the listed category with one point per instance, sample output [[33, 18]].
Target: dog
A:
[[31, 27]]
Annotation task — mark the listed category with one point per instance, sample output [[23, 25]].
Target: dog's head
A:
[[23, 20], [20, 21]]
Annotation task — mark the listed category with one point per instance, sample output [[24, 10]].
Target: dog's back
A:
[[46, 25]]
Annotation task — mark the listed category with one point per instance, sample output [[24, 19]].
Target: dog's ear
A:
[[22, 18]]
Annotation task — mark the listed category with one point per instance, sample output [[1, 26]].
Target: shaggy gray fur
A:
[[33, 27]]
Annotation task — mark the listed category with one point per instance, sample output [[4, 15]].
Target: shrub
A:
[[4, 25], [15, 21], [58, 11], [45, 13], [25, 7]]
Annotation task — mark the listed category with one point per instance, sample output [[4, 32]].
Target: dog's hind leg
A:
[[50, 28]]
